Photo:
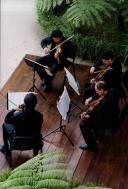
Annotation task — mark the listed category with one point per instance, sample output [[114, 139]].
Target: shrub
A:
[[90, 42]]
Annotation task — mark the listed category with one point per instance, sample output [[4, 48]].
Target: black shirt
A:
[[26, 123], [113, 76], [105, 115], [68, 49]]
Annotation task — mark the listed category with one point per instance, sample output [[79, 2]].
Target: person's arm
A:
[[46, 41], [95, 66], [9, 116], [13, 116]]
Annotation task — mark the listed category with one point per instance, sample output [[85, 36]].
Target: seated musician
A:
[[111, 74], [101, 114], [26, 121], [55, 60]]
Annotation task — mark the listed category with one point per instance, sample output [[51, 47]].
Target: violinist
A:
[[24, 121], [54, 59], [111, 74], [101, 113]]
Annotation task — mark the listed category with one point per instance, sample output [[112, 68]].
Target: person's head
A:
[[101, 88], [57, 36], [107, 58], [30, 101]]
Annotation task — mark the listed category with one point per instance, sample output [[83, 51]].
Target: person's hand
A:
[[87, 101], [56, 55], [92, 69], [46, 50], [58, 52], [92, 81], [84, 115]]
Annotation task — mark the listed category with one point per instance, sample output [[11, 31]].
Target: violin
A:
[[58, 52], [101, 73], [91, 107]]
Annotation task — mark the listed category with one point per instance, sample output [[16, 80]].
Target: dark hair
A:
[[56, 33], [102, 85], [30, 100], [106, 55]]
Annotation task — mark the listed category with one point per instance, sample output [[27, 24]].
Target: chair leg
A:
[[41, 149], [10, 157], [35, 152]]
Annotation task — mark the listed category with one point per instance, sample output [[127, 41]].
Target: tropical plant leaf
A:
[[86, 12]]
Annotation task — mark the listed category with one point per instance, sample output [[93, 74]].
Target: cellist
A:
[[111, 74], [102, 113]]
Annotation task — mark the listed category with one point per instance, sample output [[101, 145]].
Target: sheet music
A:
[[15, 99], [63, 104], [72, 81]]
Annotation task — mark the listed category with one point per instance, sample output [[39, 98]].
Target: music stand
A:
[[60, 129], [63, 107], [72, 82], [33, 64]]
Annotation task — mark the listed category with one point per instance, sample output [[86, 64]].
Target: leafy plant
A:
[[45, 171], [73, 19], [89, 13], [46, 5], [126, 56]]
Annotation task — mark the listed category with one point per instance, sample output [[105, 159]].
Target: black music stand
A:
[[72, 102], [33, 64], [60, 129]]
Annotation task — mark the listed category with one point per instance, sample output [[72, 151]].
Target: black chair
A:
[[34, 143]]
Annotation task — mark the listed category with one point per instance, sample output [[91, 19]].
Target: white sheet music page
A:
[[63, 104], [17, 98], [72, 82]]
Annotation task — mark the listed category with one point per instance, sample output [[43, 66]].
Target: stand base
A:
[[60, 129]]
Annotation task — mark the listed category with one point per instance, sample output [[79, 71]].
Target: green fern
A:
[[125, 10], [88, 12], [5, 175], [126, 56], [45, 171], [46, 5]]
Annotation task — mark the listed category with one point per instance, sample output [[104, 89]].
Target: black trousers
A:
[[88, 131], [8, 133], [54, 66]]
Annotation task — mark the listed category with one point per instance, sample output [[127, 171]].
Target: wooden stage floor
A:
[[103, 168]]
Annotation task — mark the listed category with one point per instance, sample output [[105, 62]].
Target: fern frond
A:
[[46, 5], [22, 173], [21, 187], [54, 166], [86, 12], [89, 187], [19, 182], [54, 174], [5, 175], [53, 184]]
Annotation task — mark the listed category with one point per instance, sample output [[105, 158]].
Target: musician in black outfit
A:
[[112, 77], [55, 60], [100, 117], [26, 121]]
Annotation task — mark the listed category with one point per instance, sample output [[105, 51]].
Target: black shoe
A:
[[88, 148]]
